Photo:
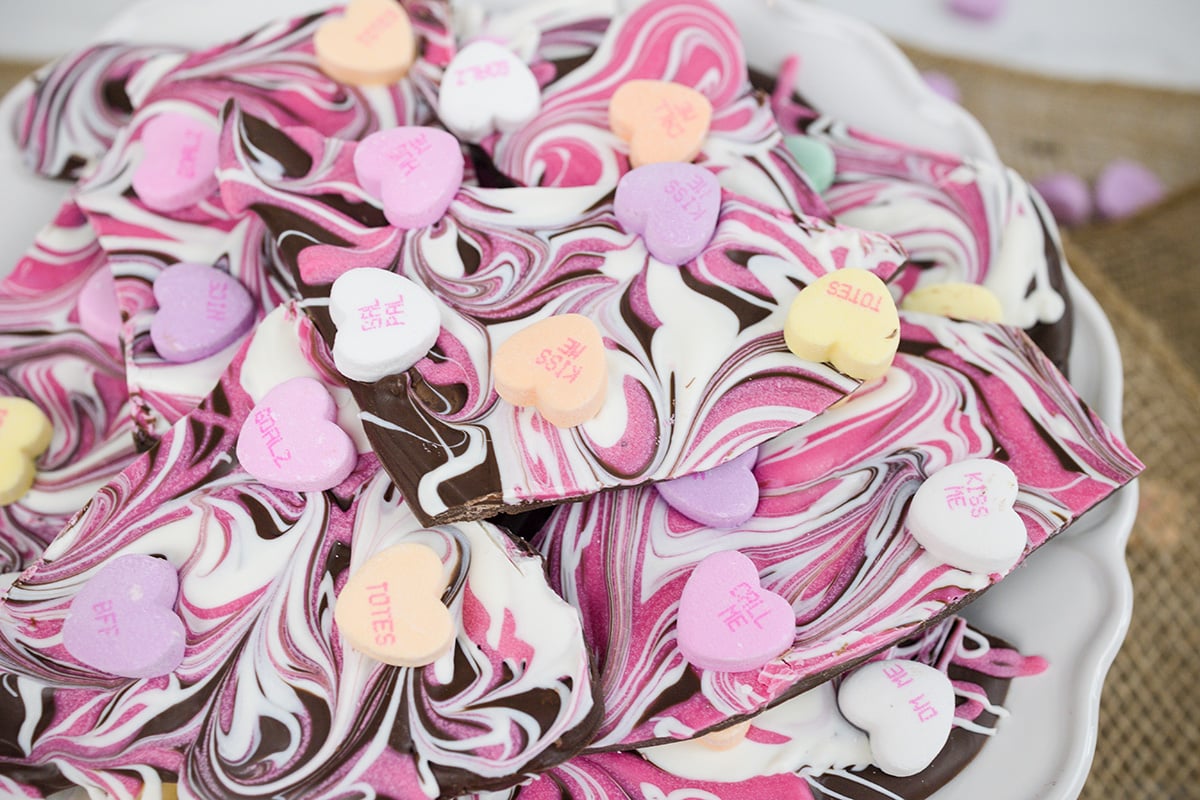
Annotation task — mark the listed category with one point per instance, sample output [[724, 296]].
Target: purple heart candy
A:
[[673, 205], [1067, 195], [201, 311], [1125, 187], [123, 621], [722, 497], [982, 10]]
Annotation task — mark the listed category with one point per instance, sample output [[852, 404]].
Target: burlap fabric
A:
[[1146, 274]]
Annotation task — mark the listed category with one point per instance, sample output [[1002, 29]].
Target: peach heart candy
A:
[[291, 441], [201, 311], [414, 171], [722, 497], [727, 620], [99, 315], [123, 620], [179, 162], [955, 300], [392, 610], [371, 44], [726, 738], [486, 88], [25, 433], [905, 707], [847, 318], [385, 323], [963, 515], [673, 205], [557, 365], [661, 120]]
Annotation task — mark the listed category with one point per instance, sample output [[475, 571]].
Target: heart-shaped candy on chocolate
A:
[[123, 621], [25, 433], [414, 171], [391, 608], [727, 620], [847, 318], [99, 315], [955, 300], [963, 515], [179, 162], [661, 120], [291, 441], [673, 205], [371, 44], [557, 365], [905, 707], [201, 311], [486, 88], [385, 323], [722, 497]]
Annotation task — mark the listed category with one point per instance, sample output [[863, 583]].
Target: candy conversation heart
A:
[[179, 162], [726, 738], [487, 88], [722, 497], [905, 707], [727, 620], [290, 439], [201, 311], [557, 365], [385, 323], [123, 621], [661, 120], [25, 433], [847, 318], [391, 608], [963, 514], [372, 43], [815, 157], [955, 300], [97, 306], [1125, 187], [415, 172], [674, 206]]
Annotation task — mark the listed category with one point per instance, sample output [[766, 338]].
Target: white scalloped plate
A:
[[1070, 603]]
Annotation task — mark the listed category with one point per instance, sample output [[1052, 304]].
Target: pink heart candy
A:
[[722, 497], [414, 171], [97, 305], [123, 621], [179, 162], [291, 441], [1125, 187], [983, 10], [201, 311], [1067, 196], [673, 205], [727, 620]]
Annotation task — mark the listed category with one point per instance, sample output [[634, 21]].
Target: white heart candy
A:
[[487, 88], [905, 707], [385, 323], [963, 515]]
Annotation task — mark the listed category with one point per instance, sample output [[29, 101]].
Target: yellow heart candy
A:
[[847, 318], [662, 121], [957, 300], [392, 610], [25, 433], [371, 44], [726, 738], [556, 364]]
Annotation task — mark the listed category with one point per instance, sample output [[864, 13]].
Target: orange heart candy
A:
[[392, 610], [25, 433], [661, 120], [556, 364], [372, 43], [847, 318]]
